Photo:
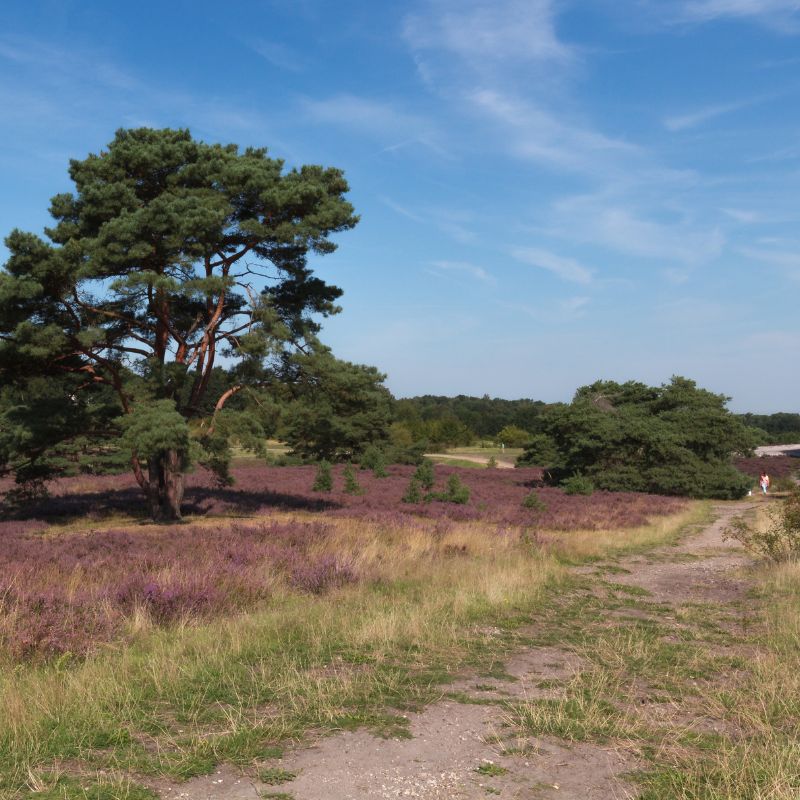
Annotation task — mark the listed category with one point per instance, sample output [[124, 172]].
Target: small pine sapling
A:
[[533, 501], [413, 493], [369, 458], [491, 463], [351, 485], [425, 475], [577, 484], [323, 482], [379, 466], [456, 491]]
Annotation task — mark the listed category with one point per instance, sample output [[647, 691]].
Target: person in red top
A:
[[763, 482]]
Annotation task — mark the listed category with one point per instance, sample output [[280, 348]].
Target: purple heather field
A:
[[67, 591]]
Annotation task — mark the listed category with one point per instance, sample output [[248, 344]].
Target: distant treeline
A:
[[780, 428], [463, 420]]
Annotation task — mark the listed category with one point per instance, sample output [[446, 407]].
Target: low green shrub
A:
[[455, 492], [533, 501], [413, 493], [425, 474], [577, 484], [351, 485], [780, 541], [323, 482]]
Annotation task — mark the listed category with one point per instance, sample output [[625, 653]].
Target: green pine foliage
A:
[[351, 484], [456, 491], [577, 484], [533, 501], [369, 457], [338, 408], [126, 304], [379, 467], [413, 492], [491, 463], [452, 421], [675, 439], [425, 474], [323, 480]]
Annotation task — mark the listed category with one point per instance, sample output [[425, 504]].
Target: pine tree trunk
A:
[[165, 487]]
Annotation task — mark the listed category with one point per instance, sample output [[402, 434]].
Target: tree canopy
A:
[[672, 439], [171, 257]]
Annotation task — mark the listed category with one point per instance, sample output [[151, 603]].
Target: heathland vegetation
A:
[[166, 608]]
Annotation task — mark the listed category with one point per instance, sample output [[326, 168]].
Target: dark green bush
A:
[[577, 484]]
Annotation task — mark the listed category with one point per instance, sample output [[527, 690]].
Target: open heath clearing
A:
[[584, 646]]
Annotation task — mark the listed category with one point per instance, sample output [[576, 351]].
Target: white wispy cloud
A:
[[59, 65], [683, 122], [567, 269], [742, 215], [781, 14], [64, 89], [598, 219], [480, 32], [536, 134], [787, 261], [479, 273], [400, 209], [676, 276], [375, 118], [458, 224], [279, 55], [574, 305], [781, 154]]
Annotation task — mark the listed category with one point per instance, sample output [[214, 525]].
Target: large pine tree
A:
[[170, 254]]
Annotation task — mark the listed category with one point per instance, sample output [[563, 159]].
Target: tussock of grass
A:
[[714, 711], [178, 701], [579, 545]]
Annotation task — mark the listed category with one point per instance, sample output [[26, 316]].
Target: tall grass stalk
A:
[[177, 701]]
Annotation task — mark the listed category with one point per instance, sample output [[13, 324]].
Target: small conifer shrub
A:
[[379, 466], [577, 484], [533, 501], [425, 475], [323, 482], [369, 458], [351, 485], [413, 493], [456, 491]]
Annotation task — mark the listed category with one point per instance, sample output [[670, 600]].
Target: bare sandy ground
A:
[[450, 741], [501, 464], [777, 449]]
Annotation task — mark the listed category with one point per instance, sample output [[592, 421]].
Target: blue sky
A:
[[551, 192]]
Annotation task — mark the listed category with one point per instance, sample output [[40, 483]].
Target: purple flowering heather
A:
[[72, 591]]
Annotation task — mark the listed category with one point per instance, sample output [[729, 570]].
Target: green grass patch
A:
[[491, 769]]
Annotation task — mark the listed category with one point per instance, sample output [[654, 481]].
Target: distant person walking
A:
[[763, 482]]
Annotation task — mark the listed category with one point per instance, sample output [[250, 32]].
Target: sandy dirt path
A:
[[473, 459], [777, 449], [452, 740]]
